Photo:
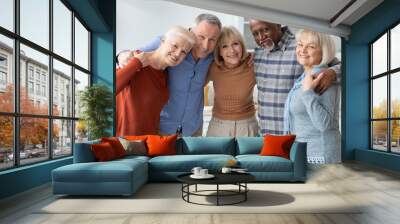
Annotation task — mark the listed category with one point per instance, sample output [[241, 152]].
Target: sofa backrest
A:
[[206, 145], [249, 145], [83, 152]]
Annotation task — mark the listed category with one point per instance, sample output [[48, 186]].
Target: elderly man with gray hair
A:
[[184, 109]]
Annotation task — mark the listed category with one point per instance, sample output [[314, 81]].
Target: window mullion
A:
[[16, 83], [50, 81], [73, 81]]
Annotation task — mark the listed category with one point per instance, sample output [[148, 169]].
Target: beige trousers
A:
[[232, 128]]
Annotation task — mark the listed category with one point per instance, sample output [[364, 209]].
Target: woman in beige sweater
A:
[[233, 79]]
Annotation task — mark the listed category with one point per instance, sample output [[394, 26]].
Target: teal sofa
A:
[[125, 176]]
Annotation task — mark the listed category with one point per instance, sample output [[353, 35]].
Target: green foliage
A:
[[96, 102]]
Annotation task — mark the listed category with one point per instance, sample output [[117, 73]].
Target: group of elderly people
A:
[[160, 86]]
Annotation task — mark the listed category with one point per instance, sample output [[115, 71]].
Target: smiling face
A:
[[206, 39], [175, 48], [231, 52], [308, 51], [263, 32]]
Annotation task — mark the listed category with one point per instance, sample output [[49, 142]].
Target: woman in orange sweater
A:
[[233, 79], [142, 87]]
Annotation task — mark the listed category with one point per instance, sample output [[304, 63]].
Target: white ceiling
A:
[[319, 15]]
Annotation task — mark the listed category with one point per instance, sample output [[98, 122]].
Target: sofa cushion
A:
[[249, 145], [277, 145], [134, 147], [206, 145], [112, 171], [161, 145], [116, 145], [257, 163], [103, 151], [185, 163]]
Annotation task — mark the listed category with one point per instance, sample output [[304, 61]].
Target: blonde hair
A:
[[324, 41], [178, 31], [228, 33]]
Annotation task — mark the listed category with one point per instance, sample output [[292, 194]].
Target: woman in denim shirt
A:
[[311, 117]]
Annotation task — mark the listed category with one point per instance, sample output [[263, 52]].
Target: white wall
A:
[[141, 20]]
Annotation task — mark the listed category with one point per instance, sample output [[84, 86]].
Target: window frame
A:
[[388, 74], [15, 71]]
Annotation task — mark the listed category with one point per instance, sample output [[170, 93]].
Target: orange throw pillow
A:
[[116, 145], [277, 145], [161, 145], [103, 151]]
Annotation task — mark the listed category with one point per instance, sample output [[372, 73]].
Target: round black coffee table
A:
[[238, 179]]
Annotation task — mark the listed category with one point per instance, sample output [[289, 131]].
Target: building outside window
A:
[[43, 90], [3, 78], [3, 71], [30, 72], [385, 94], [34, 77], [30, 87]]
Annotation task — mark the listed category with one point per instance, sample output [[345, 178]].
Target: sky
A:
[[379, 60]]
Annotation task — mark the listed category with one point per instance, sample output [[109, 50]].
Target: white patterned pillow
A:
[[134, 147]]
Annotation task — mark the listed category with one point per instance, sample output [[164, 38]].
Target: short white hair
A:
[[178, 31], [324, 41]]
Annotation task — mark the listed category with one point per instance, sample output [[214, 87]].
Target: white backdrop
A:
[[140, 20]]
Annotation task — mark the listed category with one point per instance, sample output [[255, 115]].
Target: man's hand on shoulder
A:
[[328, 77]]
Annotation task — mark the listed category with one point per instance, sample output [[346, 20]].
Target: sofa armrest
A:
[[83, 152], [298, 155]]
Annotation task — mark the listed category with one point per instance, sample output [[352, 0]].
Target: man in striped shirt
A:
[[276, 69]]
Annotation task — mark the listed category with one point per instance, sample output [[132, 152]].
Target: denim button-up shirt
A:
[[186, 93]]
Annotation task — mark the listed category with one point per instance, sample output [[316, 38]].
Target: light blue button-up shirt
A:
[[186, 93]]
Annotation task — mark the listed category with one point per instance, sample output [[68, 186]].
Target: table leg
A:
[[217, 194], [245, 191]]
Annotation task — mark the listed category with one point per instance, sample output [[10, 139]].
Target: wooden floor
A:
[[377, 188]]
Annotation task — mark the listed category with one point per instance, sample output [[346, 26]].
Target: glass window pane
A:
[[81, 45], [6, 142], [379, 97], [34, 96], [81, 81], [379, 55], [395, 136], [81, 131], [62, 89], [7, 14], [379, 135], [62, 29], [6, 74], [35, 21], [33, 139], [395, 94], [62, 141], [395, 47]]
